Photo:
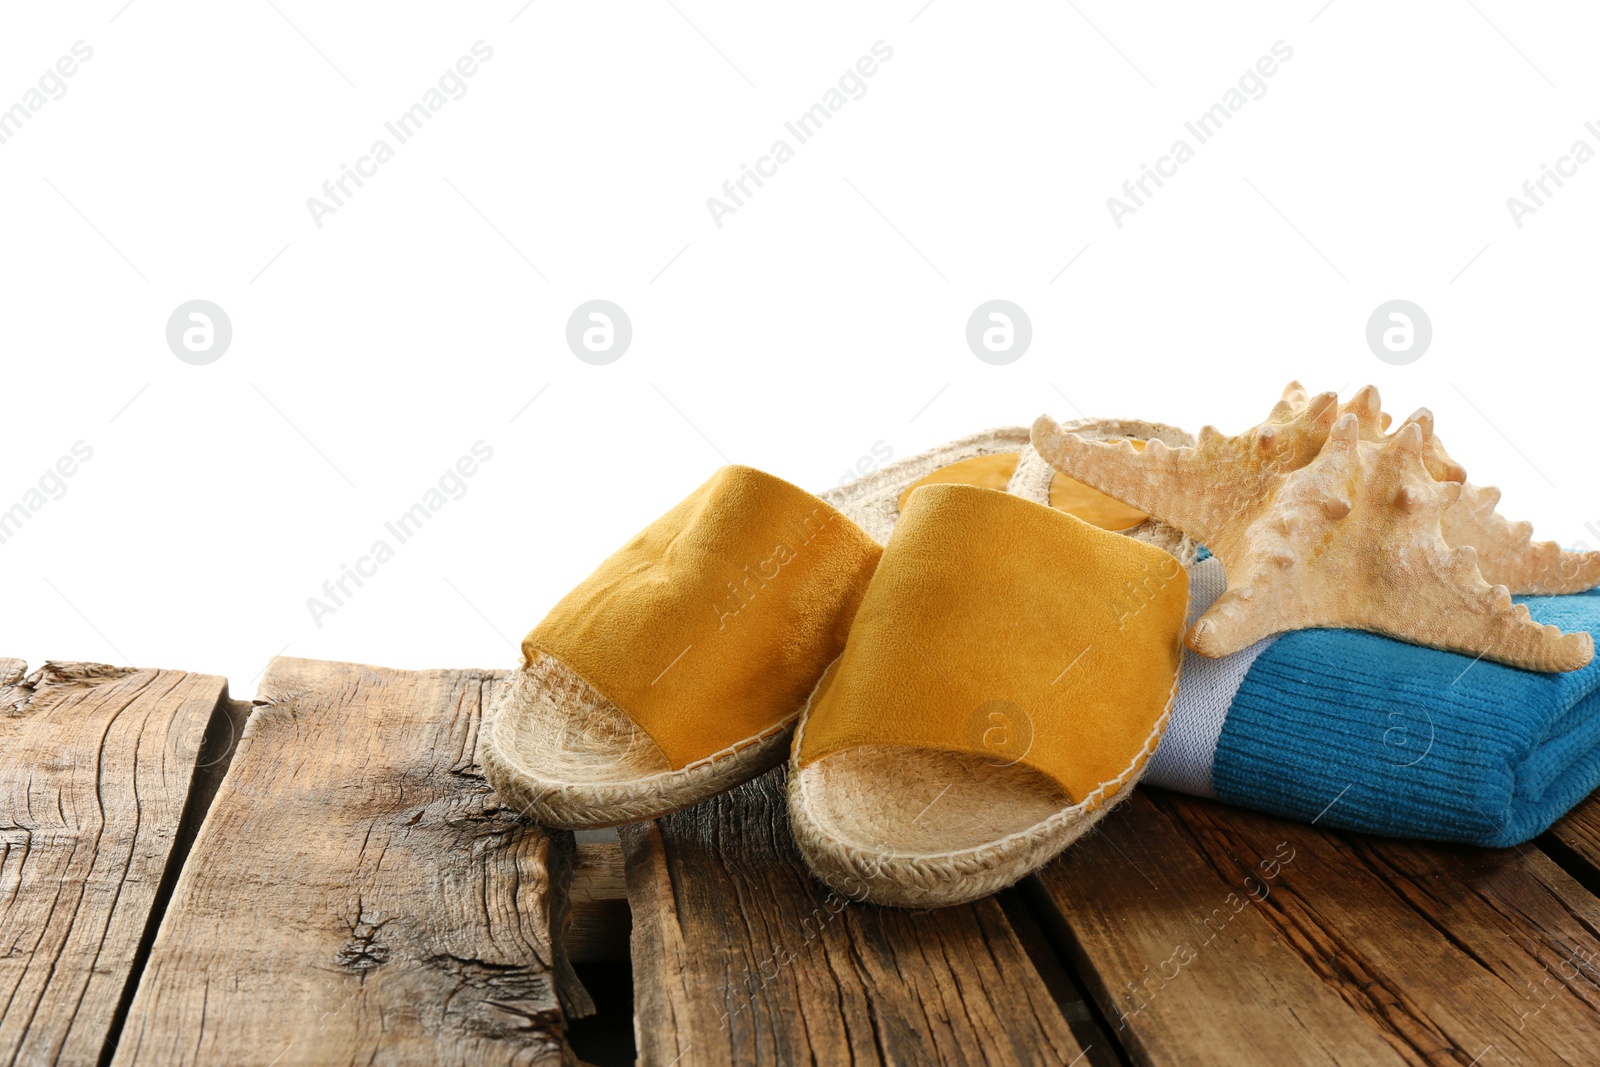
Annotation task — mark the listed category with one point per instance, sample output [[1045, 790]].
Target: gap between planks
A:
[[64, 717]]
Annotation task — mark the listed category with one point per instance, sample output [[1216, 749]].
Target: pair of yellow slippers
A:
[[958, 705]]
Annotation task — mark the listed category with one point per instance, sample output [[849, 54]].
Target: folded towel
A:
[[1349, 729]]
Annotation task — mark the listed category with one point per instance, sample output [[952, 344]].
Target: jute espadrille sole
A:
[[566, 756], [589, 764], [919, 829]]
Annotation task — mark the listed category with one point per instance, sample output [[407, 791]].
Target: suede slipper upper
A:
[[1010, 670]]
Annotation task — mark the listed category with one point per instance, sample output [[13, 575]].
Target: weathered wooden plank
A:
[[598, 873], [1575, 841], [1215, 935], [97, 764], [357, 893], [1171, 948], [740, 957], [599, 921]]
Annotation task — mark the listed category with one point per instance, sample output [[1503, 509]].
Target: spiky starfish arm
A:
[[1204, 489], [1434, 457], [1353, 540], [1507, 553], [1367, 406]]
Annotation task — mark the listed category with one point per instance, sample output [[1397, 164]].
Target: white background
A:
[[825, 316]]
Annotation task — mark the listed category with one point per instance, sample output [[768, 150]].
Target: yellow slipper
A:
[[677, 669], [1009, 671]]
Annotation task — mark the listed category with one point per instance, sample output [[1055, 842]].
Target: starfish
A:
[[1507, 553], [1320, 523], [1203, 489]]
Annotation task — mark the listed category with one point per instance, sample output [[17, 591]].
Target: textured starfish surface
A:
[[1321, 520], [1507, 553], [1204, 489]]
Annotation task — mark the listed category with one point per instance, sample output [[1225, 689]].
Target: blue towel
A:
[[1353, 730]]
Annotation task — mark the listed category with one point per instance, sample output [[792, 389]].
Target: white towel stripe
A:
[[1186, 754]]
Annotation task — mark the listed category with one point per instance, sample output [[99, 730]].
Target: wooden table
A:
[[322, 876]]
